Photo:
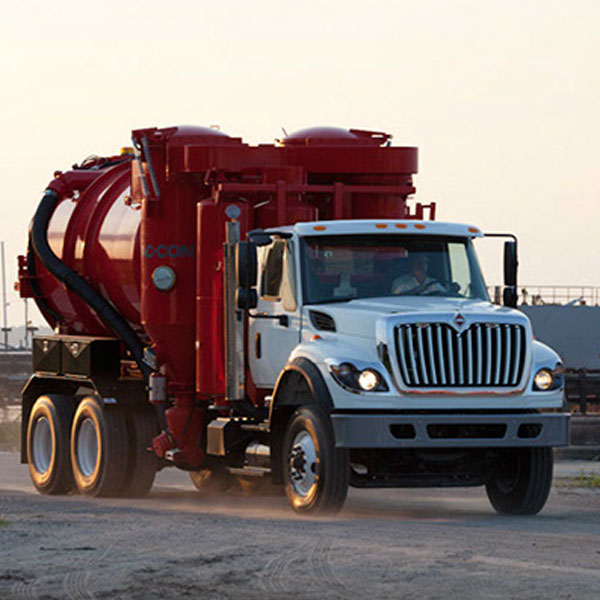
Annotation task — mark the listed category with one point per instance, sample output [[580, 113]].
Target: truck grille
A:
[[485, 354]]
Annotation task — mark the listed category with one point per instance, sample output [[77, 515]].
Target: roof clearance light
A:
[[319, 228], [473, 230], [381, 226], [419, 226], [401, 225]]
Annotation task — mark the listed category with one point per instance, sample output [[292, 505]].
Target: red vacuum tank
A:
[[121, 218]]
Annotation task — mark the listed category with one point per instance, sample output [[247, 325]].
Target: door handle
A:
[[284, 320], [257, 345]]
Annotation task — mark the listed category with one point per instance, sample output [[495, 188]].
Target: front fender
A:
[[543, 357], [299, 384]]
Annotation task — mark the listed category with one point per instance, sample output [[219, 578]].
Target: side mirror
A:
[[245, 264], [259, 237], [246, 298], [246, 269], [510, 264], [509, 297]]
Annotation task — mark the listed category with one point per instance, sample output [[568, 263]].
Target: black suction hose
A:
[[105, 311], [38, 296]]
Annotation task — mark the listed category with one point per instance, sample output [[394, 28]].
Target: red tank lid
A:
[[189, 134], [335, 136]]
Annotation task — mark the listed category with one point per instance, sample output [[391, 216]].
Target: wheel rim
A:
[[87, 447], [302, 464], [42, 445]]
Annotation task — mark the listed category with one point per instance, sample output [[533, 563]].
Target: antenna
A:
[[5, 327]]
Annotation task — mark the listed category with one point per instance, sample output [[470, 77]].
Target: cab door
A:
[[274, 326]]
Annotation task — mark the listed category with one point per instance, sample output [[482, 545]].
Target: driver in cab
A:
[[416, 282]]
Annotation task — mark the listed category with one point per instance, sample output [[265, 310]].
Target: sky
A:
[[502, 99]]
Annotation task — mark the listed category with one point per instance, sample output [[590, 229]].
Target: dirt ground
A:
[[404, 544]]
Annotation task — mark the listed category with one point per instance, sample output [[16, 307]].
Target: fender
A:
[[299, 384]]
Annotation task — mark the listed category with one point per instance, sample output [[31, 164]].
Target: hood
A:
[[359, 317]]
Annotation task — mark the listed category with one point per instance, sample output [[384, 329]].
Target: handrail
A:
[[556, 295]]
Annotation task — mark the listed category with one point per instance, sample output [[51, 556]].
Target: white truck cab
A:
[[413, 360]]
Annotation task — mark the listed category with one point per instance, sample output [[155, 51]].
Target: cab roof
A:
[[384, 226]]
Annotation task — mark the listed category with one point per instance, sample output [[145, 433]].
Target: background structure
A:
[[501, 98]]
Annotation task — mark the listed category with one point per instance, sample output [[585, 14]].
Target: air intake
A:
[[322, 321]]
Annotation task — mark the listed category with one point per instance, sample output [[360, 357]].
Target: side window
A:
[[288, 284], [273, 272], [459, 265]]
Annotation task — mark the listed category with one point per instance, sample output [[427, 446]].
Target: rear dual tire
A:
[[48, 444], [142, 426], [98, 450]]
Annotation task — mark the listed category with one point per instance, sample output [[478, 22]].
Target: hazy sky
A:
[[502, 99]]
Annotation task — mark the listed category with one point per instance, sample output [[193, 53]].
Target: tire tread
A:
[[533, 488]]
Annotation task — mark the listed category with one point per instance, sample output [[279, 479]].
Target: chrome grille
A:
[[484, 355]]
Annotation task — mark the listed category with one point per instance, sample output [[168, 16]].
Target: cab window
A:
[[272, 272]]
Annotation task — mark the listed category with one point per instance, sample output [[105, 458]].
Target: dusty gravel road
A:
[[385, 544]]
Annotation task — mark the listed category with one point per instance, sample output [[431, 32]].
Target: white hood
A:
[[359, 317]]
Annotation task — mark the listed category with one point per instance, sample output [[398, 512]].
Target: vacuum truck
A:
[[279, 311]]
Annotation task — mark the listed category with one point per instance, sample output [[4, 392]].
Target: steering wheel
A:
[[421, 289]]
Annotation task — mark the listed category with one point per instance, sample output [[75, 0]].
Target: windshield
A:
[[345, 267]]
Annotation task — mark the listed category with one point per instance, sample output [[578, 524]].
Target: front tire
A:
[[316, 473], [521, 482], [48, 444], [99, 449]]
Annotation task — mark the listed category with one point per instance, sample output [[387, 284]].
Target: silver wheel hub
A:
[[302, 464], [42, 446], [87, 447]]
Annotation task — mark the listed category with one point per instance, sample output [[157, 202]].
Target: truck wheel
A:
[[316, 473], [48, 444], [142, 426], [521, 482], [99, 449]]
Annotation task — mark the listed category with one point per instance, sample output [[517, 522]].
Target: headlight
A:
[[349, 377], [543, 380], [368, 380]]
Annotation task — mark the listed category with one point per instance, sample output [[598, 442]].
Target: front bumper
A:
[[359, 430]]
